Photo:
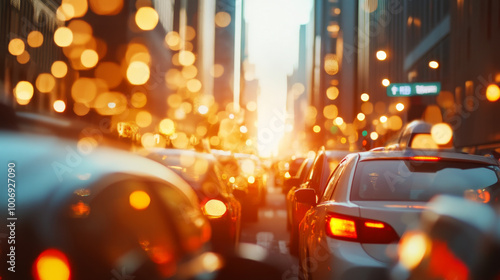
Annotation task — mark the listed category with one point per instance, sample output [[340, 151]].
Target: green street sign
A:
[[412, 89]]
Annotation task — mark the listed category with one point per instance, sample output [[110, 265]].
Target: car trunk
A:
[[400, 215]]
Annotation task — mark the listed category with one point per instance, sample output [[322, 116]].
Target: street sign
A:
[[412, 89]]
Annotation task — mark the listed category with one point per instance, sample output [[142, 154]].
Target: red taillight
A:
[[52, 264], [425, 158], [343, 228], [360, 230], [374, 225]]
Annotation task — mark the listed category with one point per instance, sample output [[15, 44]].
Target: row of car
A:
[[75, 209], [353, 215]]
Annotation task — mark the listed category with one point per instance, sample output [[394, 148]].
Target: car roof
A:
[[443, 154]]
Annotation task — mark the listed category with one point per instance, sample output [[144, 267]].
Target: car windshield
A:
[[407, 180]]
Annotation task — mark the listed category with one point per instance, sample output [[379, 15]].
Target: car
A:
[[78, 211], [294, 182], [462, 233], [372, 198], [203, 172], [323, 165], [293, 168]]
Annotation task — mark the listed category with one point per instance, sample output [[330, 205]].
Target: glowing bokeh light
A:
[[84, 90], [89, 58], [63, 36], [193, 85], [365, 97], [412, 249], [383, 119], [146, 18], [167, 127], [400, 107], [35, 39], [138, 99], [138, 73], [330, 112], [222, 19], [24, 90], [217, 70], [45, 82], [332, 93], [186, 58], [52, 264], [59, 106], [23, 58], [172, 39], [331, 64], [16, 46], [360, 116], [441, 133], [339, 121], [381, 55], [386, 82], [65, 12], [433, 64], [59, 69], [106, 8], [80, 7], [203, 109], [492, 93], [143, 119], [139, 200], [374, 135], [81, 109], [251, 106]]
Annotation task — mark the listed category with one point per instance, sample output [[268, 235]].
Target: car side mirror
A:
[[306, 196]]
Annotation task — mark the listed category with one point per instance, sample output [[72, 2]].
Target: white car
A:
[[372, 198]]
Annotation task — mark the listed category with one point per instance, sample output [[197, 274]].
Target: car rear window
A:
[[409, 180]]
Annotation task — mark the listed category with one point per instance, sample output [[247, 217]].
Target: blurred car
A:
[[247, 178], [285, 169], [78, 211], [204, 173], [456, 238], [293, 168], [252, 180], [323, 165], [370, 200], [296, 181]]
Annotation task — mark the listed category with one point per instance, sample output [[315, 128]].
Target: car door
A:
[[315, 218]]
